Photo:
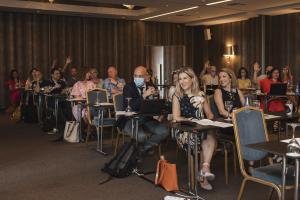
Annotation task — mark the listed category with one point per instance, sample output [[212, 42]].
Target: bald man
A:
[[139, 91]]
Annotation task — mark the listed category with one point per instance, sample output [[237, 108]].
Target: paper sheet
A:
[[207, 122], [270, 116]]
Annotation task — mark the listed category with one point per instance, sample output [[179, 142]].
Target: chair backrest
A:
[[213, 106], [249, 128], [94, 96], [118, 100]]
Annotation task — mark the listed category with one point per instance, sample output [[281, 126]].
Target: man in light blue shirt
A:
[[113, 84]]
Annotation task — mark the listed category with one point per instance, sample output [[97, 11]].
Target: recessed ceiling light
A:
[[217, 2], [51, 1], [169, 13]]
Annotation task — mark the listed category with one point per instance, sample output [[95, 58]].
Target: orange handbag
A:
[[166, 175]]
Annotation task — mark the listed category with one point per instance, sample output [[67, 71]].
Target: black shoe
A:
[[59, 139]]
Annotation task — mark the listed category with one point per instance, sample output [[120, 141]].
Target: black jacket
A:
[[130, 90]]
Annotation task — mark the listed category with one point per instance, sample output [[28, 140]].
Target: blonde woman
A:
[[187, 101]]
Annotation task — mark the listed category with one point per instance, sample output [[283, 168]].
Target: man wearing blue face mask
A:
[[138, 91]]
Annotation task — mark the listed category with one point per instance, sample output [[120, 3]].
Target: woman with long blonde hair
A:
[[188, 102]]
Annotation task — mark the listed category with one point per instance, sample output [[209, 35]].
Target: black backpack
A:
[[122, 164]]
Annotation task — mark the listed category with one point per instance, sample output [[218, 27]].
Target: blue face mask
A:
[[139, 81]]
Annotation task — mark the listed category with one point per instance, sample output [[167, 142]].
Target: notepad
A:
[[288, 140]]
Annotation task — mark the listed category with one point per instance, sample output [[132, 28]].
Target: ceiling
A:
[[235, 10]]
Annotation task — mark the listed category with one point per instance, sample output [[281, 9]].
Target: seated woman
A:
[[14, 85], [243, 81], [172, 88], [79, 90], [187, 101], [265, 85], [228, 92], [31, 78]]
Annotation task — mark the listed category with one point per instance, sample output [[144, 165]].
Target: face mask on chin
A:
[[139, 81]]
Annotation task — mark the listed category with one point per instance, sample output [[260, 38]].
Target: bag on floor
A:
[[166, 175], [48, 121], [122, 164], [71, 132]]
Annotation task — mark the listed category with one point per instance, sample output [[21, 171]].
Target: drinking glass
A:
[[293, 148], [256, 103], [228, 107], [97, 103], [128, 109]]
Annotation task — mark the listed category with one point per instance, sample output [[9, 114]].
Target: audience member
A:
[[187, 101], [72, 78], [228, 91], [137, 91], [31, 78], [14, 84], [113, 84], [210, 79], [265, 85], [257, 75], [79, 90], [243, 81], [205, 69], [94, 77], [56, 85], [172, 88]]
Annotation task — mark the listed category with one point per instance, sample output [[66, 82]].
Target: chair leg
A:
[[242, 189], [226, 165], [278, 192], [270, 193], [117, 143], [234, 160], [112, 136], [88, 135]]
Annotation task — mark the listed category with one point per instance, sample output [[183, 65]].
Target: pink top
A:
[[80, 88]]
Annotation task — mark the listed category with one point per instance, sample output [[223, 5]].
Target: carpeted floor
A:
[[32, 167]]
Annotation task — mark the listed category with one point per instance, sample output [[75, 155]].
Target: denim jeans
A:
[[148, 126]]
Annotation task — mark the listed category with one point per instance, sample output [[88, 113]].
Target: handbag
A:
[[166, 175], [71, 132]]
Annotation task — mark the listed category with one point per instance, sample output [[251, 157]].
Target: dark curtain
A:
[[35, 40]]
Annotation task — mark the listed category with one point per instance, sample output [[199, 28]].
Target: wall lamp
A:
[[229, 53]]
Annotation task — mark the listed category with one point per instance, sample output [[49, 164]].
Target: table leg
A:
[[189, 164], [296, 179], [100, 141], [196, 165], [283, 177], [136, 131]]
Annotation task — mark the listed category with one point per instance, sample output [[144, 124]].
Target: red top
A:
[[276, 105], [15, 94]]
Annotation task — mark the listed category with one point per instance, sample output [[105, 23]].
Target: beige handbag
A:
[[71, 132]]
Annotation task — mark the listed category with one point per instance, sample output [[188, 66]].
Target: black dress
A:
[[187, 110], [232, 96]]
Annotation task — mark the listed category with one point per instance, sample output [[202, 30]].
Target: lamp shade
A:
[[229, 50]]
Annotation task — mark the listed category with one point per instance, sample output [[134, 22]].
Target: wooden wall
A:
[[245, 36], [28, 40], [283, 42]]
